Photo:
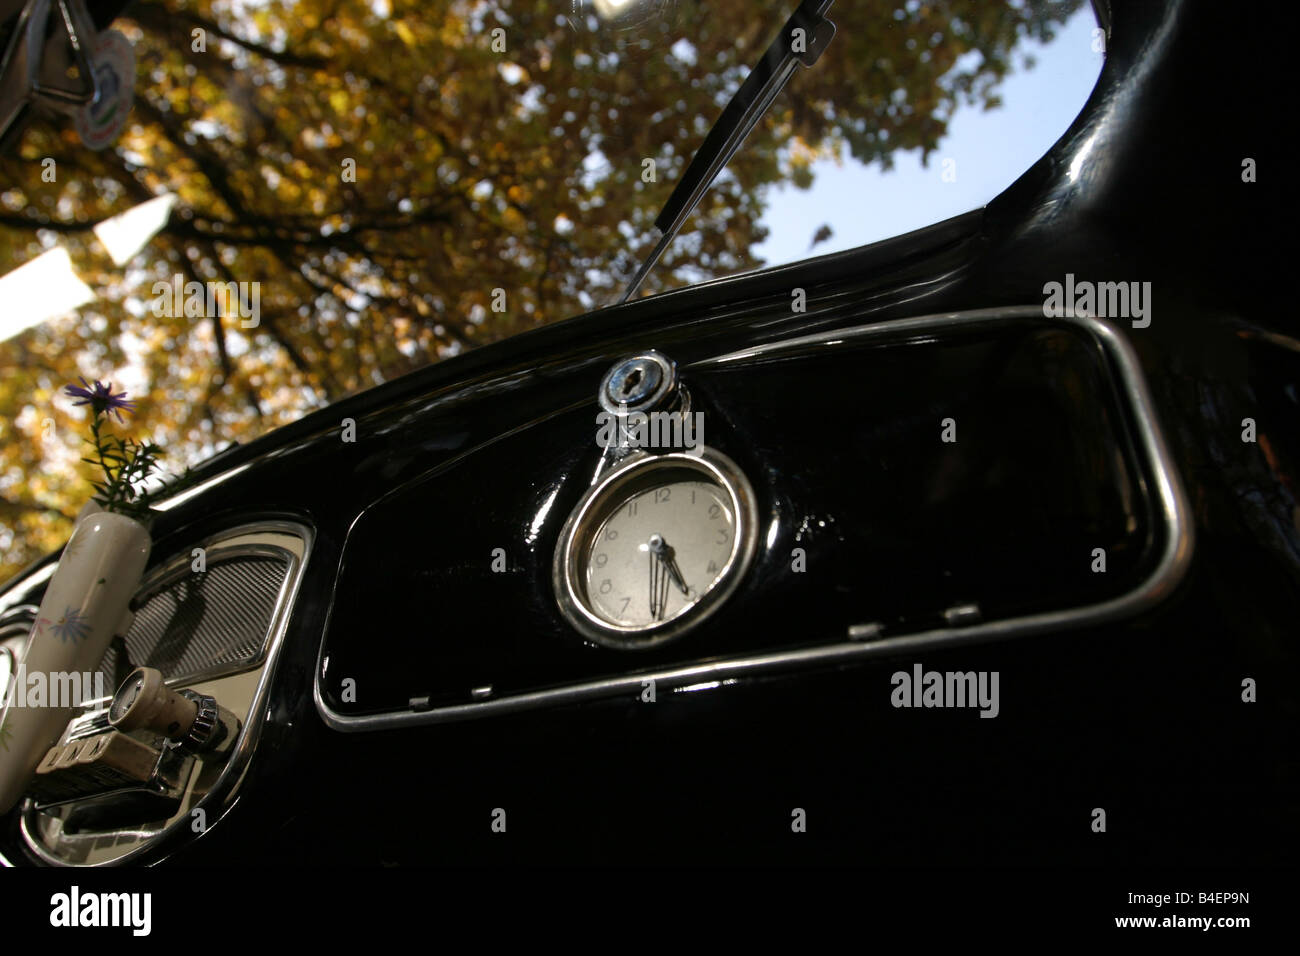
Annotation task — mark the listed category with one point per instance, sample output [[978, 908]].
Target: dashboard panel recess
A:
[[937, 473]]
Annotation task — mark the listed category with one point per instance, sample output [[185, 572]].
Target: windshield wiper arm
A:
[[765, 81]]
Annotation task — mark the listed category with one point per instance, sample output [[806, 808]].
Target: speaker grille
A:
[[198, 624]]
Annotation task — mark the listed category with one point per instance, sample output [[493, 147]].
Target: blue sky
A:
[[862, 204]]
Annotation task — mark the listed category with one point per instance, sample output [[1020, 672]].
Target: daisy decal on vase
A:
[[72, 626]]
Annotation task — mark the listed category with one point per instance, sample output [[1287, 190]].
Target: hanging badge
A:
[[102, 120]]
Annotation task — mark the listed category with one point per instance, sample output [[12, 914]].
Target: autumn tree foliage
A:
[[390, 171]]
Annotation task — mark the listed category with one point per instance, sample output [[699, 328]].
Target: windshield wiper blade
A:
[[801, 41]]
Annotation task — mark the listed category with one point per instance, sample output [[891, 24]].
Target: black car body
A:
[[474, 701]]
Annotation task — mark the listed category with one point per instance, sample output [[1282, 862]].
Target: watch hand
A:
[[671, 564], [658, 589], [661, 550]]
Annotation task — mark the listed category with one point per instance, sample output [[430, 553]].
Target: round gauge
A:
[[654, 547], [126, 696]]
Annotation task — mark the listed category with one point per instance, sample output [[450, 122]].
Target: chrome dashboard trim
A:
[[225, 788], [1169, 501], [19, 614], [8, 600]]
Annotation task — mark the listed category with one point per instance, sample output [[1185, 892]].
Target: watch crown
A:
[[207, 730]]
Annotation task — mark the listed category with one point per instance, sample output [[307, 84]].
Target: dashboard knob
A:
[[145, 702]]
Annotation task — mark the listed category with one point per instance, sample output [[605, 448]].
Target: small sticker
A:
[[102, 120]]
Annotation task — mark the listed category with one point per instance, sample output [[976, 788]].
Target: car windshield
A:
[[303, 200]]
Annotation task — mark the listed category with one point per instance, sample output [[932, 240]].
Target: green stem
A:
[[135, 463], [109, 482]]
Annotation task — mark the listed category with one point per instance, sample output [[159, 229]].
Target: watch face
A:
[[126, 696], [654, 548], [657, 551]]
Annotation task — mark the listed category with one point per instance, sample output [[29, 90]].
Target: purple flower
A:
[[100, 398]]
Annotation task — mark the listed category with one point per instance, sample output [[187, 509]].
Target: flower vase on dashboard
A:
[[85, 605]]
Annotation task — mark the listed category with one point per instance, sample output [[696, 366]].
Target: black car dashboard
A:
[[909, 464]]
